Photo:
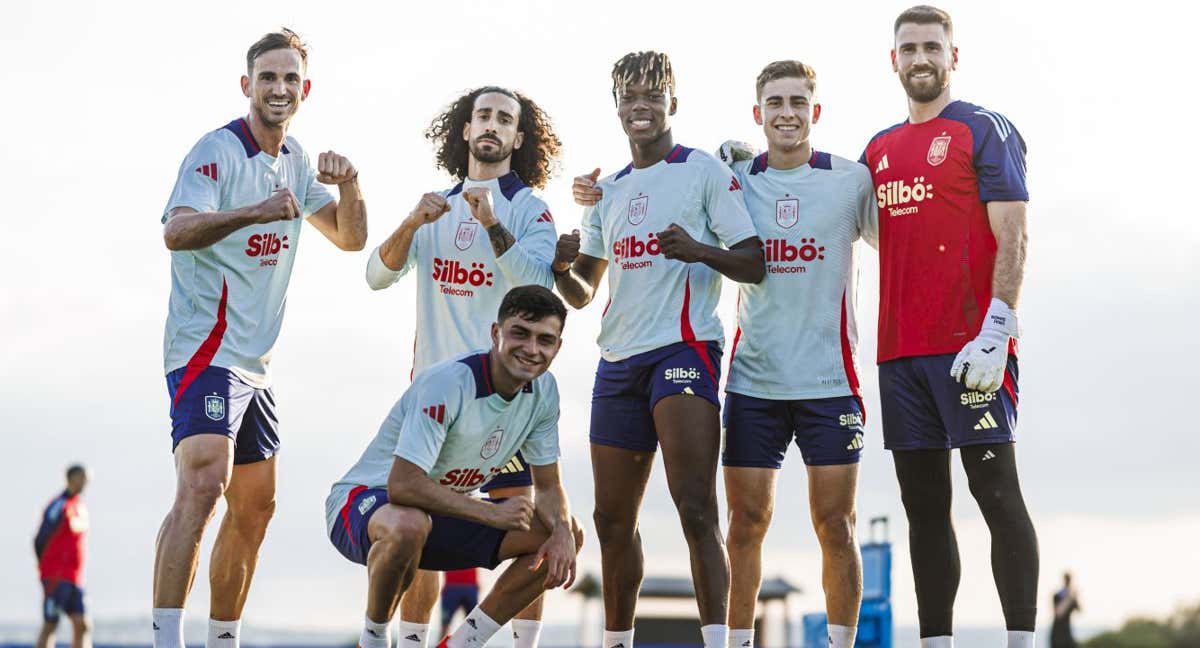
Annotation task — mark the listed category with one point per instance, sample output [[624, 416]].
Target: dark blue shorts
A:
[[455, 597], [828, 431], [626, 391], [453, 543], [61, 597], [515, 474], [217, 401], [923, 408]]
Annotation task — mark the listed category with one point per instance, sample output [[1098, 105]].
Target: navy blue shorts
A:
[[515, 474], [923, 408], [61, 597], [453, 543], [626, 391], [217, 401], [455, 597], [828, 431]]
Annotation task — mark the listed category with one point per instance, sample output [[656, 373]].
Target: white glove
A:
[[734, 151], [981, 363]]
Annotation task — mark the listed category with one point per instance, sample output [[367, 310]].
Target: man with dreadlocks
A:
[[659, 224], [496, 143]]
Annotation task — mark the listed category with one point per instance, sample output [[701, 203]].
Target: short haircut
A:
[[925, 15], [531, 303], [654, 67], [785, 70], [282, 39], [76, 469]]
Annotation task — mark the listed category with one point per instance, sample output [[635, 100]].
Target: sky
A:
[[103, 100]]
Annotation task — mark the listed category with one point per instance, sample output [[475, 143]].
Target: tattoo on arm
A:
[[501, 239]]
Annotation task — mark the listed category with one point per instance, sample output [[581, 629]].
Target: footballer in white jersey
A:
[[793, 374], [470, 245], [232, 224], [405, 504], [665, 228]]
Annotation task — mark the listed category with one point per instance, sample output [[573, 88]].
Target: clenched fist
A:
[[677, 244], [334, 169], [479, 199], [282, 205], [565, 252], [430, 208]]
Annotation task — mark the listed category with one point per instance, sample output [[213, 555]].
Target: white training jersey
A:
[[454, 426], [461, 281], [653, 301], [227, 300], [797, 334]]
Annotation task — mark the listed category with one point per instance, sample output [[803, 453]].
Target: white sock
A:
[[741, 638], [168, 627], [841, 636], [413, 635], [525, 633], [1020, 639], [716, 635], [224, 634], [618, 639], [375, 635], [937, 642], [474, 632]]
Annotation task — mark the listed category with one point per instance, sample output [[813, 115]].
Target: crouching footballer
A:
[[405, 505]]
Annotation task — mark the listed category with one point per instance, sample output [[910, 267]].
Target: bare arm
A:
[[395, 250], [579, 281], [1007, 219], [344, 221], [559, 550], [188, 229], [408, 485]]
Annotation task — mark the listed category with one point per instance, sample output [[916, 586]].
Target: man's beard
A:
[[498, 154], [264, 116], [925, 93]]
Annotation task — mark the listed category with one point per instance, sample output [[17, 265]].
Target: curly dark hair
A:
[[535, 162]]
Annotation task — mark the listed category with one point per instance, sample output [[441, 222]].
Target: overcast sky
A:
[[102, 101]]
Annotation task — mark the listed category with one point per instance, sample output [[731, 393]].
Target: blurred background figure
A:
[[60, 548], [1066, 603], [461, 591]]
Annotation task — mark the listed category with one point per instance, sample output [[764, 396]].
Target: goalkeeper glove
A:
[[982, 362]]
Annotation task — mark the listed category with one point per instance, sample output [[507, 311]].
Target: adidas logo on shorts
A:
[[855, 444], [987, 423]]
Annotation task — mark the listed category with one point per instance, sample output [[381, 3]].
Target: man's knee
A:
[[613, 528], [697, 516], [252, 513], [835, 529], [199, 490], [82, 624], [748, 524], [405, 531]]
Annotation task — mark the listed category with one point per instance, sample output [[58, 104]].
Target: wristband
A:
[[1001, 319]]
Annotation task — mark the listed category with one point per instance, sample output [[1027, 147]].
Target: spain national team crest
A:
[[939, 149], [465, 236], [787, 212], [637, 209], [214, 407], [492, 445]]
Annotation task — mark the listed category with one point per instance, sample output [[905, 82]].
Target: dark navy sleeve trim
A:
[[821, 160], [759, 164], [49, 526], [479, 368], [241, 130]]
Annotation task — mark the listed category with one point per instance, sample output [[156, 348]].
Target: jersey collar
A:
[[241, 130]]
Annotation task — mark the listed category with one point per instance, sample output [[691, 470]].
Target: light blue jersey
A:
[[653, 301], [454, 426], [227, 300], [797, 333], [460, 280]]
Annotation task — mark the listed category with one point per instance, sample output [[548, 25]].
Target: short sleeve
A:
[[316, 195], [431, 410], [867, 207], [591, 232], [541, 446], [726, 208], [200, 178], [999, 158]]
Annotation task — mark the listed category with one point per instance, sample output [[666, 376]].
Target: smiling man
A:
[[950, 187], [406, 504], [793, 373], [232, 225], [666, 228], [470, 245]]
